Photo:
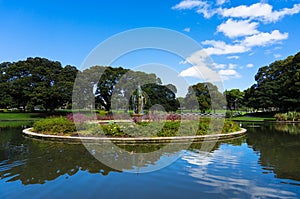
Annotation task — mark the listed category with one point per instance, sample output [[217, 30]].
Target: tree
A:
[[37, 82], [162, 95], [6, 98], [106, 85], [277, 86], [200, 96], [234, 98]]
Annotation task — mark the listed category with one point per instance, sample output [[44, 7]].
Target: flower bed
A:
[[164, 127]]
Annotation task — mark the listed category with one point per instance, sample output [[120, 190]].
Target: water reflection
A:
[[234, 181], [279, 148], [36, 161], [238, 168]]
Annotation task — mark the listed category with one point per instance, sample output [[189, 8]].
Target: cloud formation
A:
[[259, 11], [242, 29], [264, 38], [234, 28], [221, 48]]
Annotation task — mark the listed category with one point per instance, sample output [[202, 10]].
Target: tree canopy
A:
[[201, 96], [36, 82], [277, 86]]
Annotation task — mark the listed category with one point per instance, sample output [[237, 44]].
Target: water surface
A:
[[263, 164]]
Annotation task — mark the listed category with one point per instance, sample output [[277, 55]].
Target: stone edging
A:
[[213, 137]]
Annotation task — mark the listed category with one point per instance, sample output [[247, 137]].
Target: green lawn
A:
[[20, 116], [253, 119]]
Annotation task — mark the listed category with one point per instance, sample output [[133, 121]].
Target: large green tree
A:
[[36, 82], [234, 98], [201, 96], [162, 95], [277, 85]]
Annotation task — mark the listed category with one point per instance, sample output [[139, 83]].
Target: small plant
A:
[[54, 125], [289, 116]]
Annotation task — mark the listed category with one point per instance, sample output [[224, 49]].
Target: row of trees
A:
[[276, 88], [45, 84], [112, 88], [39, 82]]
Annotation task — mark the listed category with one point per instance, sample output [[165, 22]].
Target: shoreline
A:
[[212, 137]]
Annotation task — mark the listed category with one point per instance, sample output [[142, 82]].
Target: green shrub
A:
[[61, 126], [230, 126], [289, 116], [54, 126]]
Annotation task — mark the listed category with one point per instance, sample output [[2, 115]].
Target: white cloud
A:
[[218, 66], [233, 28], [264, 38], [260, 39], [202, 72], [201, 7], [188, 4], [187, 30], [198, 58], [249, 65], [259, 11], [221, 48], [229, 73], [233, 57], [232, 66], [221, 2], [202, 67]]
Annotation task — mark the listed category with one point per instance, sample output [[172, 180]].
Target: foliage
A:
[[112, 89], [54, 125], [36, 82], [289, 116], [234, 98], [162, 95], [277, 86], [200, 97], [162, 128]]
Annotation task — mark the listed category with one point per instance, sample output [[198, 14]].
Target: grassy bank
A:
[[21, 116], [256, 117]]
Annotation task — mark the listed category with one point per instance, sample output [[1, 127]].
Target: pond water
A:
[[263, 164]]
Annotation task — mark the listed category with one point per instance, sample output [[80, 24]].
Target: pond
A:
[[263, 164]]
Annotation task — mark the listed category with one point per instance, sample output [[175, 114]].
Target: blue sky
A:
[[240, 36]]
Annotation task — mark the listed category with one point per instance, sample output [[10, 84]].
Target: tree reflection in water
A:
[[279, 148]]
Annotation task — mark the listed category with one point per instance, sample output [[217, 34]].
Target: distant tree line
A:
[[277, 88], [47, 85]]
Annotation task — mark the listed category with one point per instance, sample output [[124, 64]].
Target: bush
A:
[[289, 116], [62, 125], [54, 125]]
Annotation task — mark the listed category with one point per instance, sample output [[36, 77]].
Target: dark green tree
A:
[[277, 86], [162, 95], [234, 98], [37, 82], [200, 97]]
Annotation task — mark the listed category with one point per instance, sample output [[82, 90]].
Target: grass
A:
[[253, 119], [256, 117], [21, 116]]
